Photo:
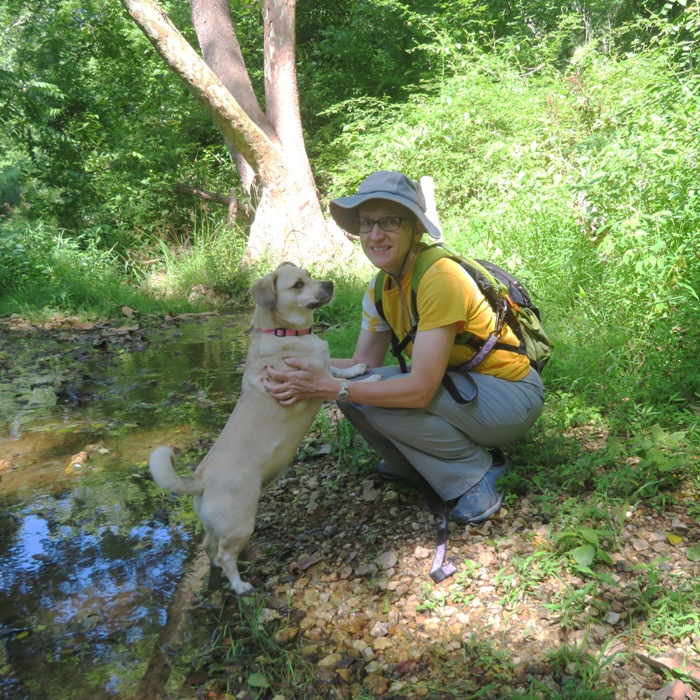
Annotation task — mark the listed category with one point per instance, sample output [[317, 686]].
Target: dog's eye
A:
[[298, 285]]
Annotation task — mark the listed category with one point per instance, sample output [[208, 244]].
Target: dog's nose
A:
[[327, 287]]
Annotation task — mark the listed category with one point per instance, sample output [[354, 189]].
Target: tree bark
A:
[[222, 53], [289, 223], [281, 92]]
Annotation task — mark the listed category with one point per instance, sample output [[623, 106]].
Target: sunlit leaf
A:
[[604, 557], [693, 553], [258, 680], [583, 555], [673, 539]]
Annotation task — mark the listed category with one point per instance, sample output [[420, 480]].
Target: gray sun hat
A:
[[383, 184]]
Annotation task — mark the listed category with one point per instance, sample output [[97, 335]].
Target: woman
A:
[[414, 423]]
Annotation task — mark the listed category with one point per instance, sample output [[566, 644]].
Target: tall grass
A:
[[584, 184], [43, 271], [212, 260]]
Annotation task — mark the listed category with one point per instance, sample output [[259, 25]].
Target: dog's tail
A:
[[160, 464]]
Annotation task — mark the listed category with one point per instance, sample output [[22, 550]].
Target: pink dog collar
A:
[[282, 332]]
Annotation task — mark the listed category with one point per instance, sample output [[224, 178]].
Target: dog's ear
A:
[[264, 291]]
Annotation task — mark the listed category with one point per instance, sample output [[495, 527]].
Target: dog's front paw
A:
[[241, 587], [356, 370], [372, 378]]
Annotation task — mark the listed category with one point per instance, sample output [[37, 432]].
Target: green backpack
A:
[[507, 296]]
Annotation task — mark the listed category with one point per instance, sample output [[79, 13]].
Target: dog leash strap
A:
[[486, 348], [439, 570]]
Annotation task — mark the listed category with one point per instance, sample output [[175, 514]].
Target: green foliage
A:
[[583, 547], [100, 129], [584, 184], [211, 260], [42, 270]]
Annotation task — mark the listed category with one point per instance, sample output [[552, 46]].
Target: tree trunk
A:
[[289, 223]]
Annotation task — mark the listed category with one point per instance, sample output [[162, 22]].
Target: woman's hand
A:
[[301, 382]]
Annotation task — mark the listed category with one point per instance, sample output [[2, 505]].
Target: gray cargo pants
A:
[[447, 442]]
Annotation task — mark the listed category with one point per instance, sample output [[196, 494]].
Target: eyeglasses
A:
[[386, 223]]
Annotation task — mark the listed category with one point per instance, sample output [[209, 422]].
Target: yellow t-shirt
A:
[[446, 294]]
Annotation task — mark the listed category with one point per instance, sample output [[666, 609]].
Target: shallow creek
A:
[[91, 551]]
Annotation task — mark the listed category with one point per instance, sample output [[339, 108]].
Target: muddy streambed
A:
[[90, 550]]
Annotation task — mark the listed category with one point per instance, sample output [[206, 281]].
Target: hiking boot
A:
[[482, 500], [387, 473]]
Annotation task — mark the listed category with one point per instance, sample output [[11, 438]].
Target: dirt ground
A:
[[343, 566]]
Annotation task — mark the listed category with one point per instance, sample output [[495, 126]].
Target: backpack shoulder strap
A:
[[378, 290], [427, 257]]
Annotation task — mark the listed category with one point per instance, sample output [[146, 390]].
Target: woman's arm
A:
[[431, 352], [370, 349]]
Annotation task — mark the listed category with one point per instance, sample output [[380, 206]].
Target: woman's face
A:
[[387, 249]]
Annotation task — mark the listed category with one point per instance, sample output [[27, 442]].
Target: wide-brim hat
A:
[[387, 185]]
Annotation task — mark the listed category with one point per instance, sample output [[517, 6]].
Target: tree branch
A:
[[203, 83]]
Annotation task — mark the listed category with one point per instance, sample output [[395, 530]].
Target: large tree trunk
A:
[[288, 222]]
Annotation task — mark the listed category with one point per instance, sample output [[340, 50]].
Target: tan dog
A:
[[261, 437]]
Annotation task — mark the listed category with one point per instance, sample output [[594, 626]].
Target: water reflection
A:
[[89, 557]]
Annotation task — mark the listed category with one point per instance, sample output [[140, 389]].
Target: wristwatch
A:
[[343, 394]]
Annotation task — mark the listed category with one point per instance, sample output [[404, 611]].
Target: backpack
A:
[[507, 296]]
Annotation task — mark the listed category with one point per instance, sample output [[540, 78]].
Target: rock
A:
[[422, 553], [284, 635], [366, 569], [677, 524], [382, 643], [380, 629], [268, 615], [330, 661], [387, 560], [612, 618], [376, 684]]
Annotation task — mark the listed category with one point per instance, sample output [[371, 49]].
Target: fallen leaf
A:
[[196, 678], [693, 553], [313, 501], [127, 311], [321, 450], [122, 330], [258, 680], [673, 539], [676, 690], [79, 459], [403, 668], [677, 664], [303, 563], [84, 326], [369, 493]]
